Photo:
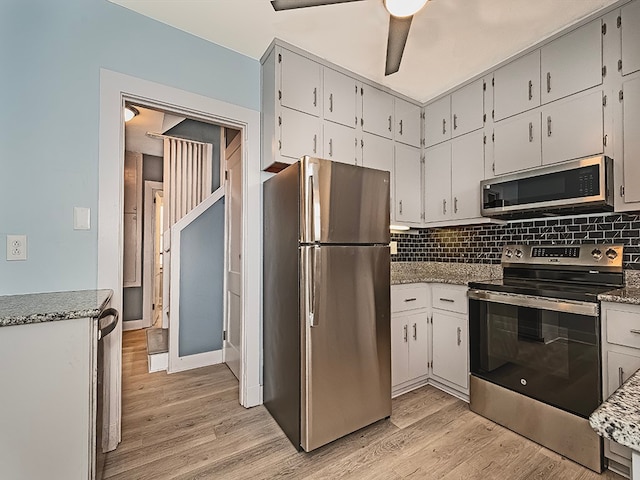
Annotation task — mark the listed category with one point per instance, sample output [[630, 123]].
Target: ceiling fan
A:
[[400, 15]]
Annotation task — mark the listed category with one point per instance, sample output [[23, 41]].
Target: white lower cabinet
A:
[[620, 360], [429, 338]]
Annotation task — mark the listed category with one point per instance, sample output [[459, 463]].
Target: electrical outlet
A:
[[16, 247]]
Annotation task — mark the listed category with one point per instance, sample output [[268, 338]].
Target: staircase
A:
[[157, 349]]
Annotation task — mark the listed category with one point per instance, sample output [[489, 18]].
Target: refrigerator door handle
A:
[[315, 202], [314, 318]]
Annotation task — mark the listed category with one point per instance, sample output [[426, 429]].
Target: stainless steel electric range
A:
[[534, 340]]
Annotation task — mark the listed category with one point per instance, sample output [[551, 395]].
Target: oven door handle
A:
[[554, 304]]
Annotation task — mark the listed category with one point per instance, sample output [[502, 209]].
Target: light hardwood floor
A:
[[190, 426]]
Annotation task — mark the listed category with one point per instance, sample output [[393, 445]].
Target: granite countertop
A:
[[618, 418], [442, 272], [622, 295], [49, 307]]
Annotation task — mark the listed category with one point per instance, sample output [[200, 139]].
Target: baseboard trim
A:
[[133, 325], [195, 361]]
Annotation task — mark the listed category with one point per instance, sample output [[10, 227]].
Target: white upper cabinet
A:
[[572, 63], [407, 122], [437, 121], [572, 128], [340, 96], [408, 178], [516, 143], [437, 183], [517, 86], [377, 112], [467, 170], [630, 38], [340, 143], [299, 83], [299, 135], [631, 140], [467, 109], [377, 152]]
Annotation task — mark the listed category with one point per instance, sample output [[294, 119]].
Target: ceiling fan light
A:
[[130, 112], [404, 8]]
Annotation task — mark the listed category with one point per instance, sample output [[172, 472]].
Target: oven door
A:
[[546, 349]]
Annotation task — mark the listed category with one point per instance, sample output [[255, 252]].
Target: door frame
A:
[[115, 89]]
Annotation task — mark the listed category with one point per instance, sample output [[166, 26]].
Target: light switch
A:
[[394, 248], [81, 218]]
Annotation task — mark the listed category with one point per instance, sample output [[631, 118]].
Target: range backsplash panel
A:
[[483, 243]]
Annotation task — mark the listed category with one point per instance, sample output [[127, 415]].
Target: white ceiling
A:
[[449, 42]]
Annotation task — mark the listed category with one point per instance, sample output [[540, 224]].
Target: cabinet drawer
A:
[[408, 297], [623, 328], [450, 298]]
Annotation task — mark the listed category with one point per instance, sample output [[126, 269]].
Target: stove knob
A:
[[611, 254], [508, 253], [596, 253], [518, 253]]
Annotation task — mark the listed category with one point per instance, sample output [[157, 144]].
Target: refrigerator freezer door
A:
[[346, 357], [343, 204]]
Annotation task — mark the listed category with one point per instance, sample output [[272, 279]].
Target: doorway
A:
[[116, 89]]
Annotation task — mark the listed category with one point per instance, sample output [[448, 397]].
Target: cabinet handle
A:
[[620, 376], [455, 204], [405, 334], [331, 147], [548, 82], [459, 336], [331, 102], [530, 132], [400, 127], [400, 207], [548, 126], [415, 331], [315, 143], [444, 206], [455, 121], [637, 332], [530, 90], [389, 122], [444, 126], [447, 300], [410, 299]]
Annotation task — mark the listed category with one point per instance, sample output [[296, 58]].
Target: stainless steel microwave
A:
[[578, 186]]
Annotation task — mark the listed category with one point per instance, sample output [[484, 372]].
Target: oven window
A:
[[547, 355]]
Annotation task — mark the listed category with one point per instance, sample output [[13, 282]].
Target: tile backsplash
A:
[[483, 243]]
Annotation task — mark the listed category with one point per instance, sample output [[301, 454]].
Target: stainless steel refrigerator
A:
[[326, 331]]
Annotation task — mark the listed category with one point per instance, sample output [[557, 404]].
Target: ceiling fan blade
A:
[[398, 33], [291, 4]]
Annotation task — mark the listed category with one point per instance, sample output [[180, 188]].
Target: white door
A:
[[517, 86], [340, 96], [630, 38], [467, 170], [437, 183], [408, 179], [467, 109], [437, 121], [450, 352], [340, 143], [377, 111], [407, 122], [516, 143], [299, 82], [232, 345]]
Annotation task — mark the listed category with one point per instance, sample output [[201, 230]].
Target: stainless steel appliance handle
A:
[[109, 327], [530, 301], [314, 319], [315, 203]]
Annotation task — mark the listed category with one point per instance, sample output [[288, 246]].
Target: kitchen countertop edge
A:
[[52, 306]]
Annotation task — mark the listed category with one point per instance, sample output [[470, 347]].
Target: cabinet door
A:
[[517, 86], [340, 94], [437, 183], [467, 170], [630, 38], [450, 348], [299, 83], [620, 367], [299, 134], [340, 143], [407, 122], [408, 179], [631, 139], [437, 121], [377, 111], [418, 345], [517, 143], [467, 109], [573, 128], [377, 152], [399, 350], [572, 63]]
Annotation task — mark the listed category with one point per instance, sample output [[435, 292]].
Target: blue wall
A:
[[51, 53], [201, 283]]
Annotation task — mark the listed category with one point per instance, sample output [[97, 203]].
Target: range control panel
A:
[[577, 255]]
